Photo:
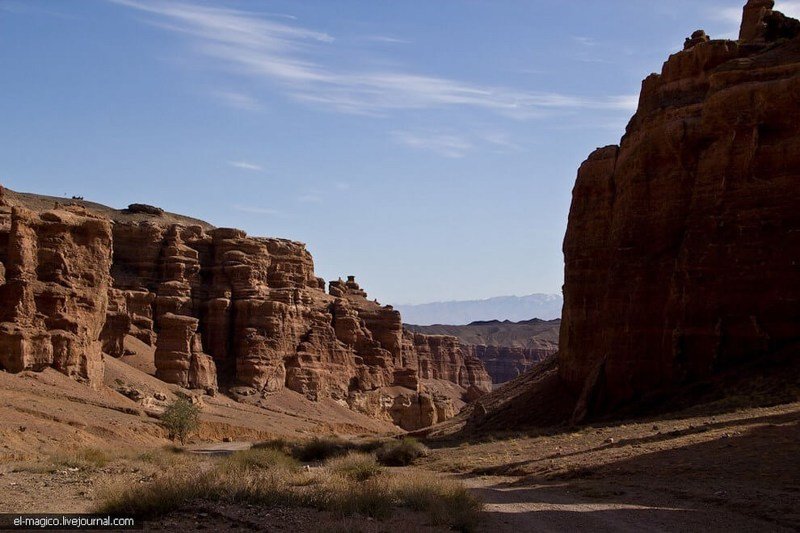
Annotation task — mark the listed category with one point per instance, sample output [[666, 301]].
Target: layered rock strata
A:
[[54, 294], [219, 307], [683, 242], [507, 349]]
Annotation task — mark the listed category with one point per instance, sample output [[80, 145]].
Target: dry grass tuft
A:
[[401, 453], [357, 466], [84, 458], [259, 459], [447, 502]]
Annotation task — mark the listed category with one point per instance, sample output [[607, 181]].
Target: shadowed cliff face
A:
[[683, 245], [219, 307]]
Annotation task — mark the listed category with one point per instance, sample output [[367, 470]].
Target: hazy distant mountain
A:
[[514, 308]]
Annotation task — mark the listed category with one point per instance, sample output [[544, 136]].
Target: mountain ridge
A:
[[463, 312]]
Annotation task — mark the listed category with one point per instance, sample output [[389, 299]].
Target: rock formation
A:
[[54, 295], [220, 308], [683, 242], [507, 349], [504, 363]]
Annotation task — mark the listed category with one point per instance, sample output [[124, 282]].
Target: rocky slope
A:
[[219, 307], [506, 348], [683, 242]]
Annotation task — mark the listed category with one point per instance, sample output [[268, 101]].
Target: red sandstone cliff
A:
[[682, 252], [507, 349], [54, 292], [219, 307], [683, 243]]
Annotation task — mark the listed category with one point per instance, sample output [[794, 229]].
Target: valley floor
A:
[[714, 471], [726, 472]]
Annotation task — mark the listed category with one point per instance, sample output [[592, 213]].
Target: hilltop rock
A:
[[144, 209]]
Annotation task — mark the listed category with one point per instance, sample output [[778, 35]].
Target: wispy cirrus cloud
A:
[[245, 165], [585, 41], [258, 210], [446, 145], [238, 100], [310, 198], [384, 39], [456, 145], [297, 60], [28, 8]]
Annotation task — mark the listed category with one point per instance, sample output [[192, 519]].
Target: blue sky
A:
[[428, 147]]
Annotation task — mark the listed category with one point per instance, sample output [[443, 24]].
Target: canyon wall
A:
[[55, 268], [507, 349], [504, 363], [683, 246], [220, 308]]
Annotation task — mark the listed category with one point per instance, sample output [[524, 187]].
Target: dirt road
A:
[[555, 508]]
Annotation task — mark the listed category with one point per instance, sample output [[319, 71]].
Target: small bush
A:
[[274, 444], [401, 453], [320, 449], [260, 459], [181, 418], [355, 465]]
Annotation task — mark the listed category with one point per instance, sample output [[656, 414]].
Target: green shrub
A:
[[401, 453], [181, 418]]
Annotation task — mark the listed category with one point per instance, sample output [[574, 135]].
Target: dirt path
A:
[[554, 508], [219, 448]]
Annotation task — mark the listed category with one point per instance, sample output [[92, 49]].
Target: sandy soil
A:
[[41, 412], [733, 472]]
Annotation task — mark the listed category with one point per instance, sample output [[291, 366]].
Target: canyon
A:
[[507, 349], [215, 308], [666, 398]]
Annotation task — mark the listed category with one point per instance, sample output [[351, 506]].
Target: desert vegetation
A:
[[181, 418], [391, 452], [346, 484]]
